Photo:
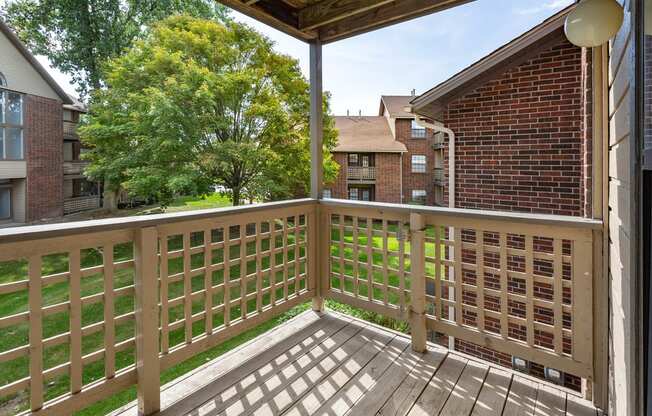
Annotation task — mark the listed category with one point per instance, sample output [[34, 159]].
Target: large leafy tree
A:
[[78, 36], [198, 103]]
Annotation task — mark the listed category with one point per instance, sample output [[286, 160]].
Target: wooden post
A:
[[147, 344], [316, 169], [418, 275]]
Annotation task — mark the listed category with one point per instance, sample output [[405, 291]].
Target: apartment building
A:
[[40, 170], [388, 157]]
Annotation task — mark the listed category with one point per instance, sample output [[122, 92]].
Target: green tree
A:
[[198, 103], [78, 36]]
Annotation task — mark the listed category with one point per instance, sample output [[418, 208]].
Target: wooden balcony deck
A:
[[332, 364]]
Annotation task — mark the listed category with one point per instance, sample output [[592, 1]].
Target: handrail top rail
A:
[[34, 232], [518, 217]]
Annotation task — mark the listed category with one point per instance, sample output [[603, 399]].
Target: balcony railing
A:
[[438, 142], [82, 203], [439, 176], [357, 173], [519, 284], [70, 129], [75, 167]]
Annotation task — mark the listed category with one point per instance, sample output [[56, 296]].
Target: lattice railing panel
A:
[[515, 288], [67, 315], [369, 260]]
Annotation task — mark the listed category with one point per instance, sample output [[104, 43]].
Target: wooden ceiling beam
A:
[[385, 15], [271, 15], [329, 11]]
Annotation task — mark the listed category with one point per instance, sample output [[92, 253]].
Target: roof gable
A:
[[36, 80], [366, 134], [395, 105], [508, 56]]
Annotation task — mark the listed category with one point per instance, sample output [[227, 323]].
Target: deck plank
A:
[[401, 401], [342, 342], [365, 380], [331, 364], [463, 397], [550, 401], [327, 388], [364, 347], [203, 376], [373, 401], [522, 397], [436, 393], [493, 394], [229, 388], [576, 406]]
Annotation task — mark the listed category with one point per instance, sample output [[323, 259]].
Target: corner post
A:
[[417, 272], [147, 333], [317, 166]]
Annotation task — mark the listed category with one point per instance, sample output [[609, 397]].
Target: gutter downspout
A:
[[451, 198], [451, 152]]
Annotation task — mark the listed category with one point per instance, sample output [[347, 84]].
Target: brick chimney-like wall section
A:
[[43, 136]]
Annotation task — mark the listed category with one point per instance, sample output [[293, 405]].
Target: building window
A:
[[353, 194], [419, 196], [353, 159], [418, 164], [364, 160], [418, 131], [328, 194], [67, 115], [11, 125], [5, 203]]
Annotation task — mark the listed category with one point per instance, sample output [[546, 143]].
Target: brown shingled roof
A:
[[395, 105], [366, 134]]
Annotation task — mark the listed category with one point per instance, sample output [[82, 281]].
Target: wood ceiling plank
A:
[[329, 11], [278, 20], [385, 15]]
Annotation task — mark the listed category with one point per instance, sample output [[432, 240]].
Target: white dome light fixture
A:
[[594, 22]]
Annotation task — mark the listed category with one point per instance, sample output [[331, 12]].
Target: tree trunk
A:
[[235, 192], [110, 199]]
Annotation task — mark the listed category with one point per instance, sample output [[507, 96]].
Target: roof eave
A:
[[428, 103], [13, 38]]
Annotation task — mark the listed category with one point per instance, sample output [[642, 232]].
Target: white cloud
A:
[[547, 6]]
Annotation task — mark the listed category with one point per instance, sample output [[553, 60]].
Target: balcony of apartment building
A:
[[361, 168], [168, 288]]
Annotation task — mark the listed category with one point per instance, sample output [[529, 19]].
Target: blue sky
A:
[[416, 54]]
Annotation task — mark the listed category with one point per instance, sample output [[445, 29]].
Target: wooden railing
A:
[[160, 288], [131, 297], [80, 203], [70, 129], [74, 167], [516, 283], [439, 178], [361, 173]]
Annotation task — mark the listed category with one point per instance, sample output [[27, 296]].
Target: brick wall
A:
[[43, 135], [520, 137], [338, 188], [388, 177], [418, 181], [523, 143]]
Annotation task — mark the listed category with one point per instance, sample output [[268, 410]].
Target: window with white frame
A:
[[418, 164], [353, 194], [11, 125], [5, 202], [328, 194], [418, 131], [419, 195]]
